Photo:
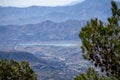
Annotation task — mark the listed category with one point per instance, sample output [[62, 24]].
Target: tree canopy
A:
[[91, 74], [13, 70], [101, 43]]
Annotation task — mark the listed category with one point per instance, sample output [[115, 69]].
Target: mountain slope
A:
[[36, 14], [93, 8], [31, 58], [19, 56], [45, 31]]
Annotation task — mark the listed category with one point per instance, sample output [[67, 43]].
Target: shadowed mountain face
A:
[[31, 58], [19, 56], [35, 14]]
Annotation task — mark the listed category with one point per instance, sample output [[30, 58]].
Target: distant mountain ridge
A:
[[45, 31], [36, 14], [60, 23]]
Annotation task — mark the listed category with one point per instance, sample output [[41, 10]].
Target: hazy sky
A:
[[24, 3]]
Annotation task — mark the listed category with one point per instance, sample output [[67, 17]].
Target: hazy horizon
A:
[[27, 3]]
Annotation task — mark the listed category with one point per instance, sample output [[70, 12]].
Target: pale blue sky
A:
[[25, 3]]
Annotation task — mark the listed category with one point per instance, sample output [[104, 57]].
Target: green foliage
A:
[[91, 74], [101, 45], [12, 70]]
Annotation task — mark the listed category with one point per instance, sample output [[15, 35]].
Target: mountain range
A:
[[35, 14], [45, 31], [61, 23], [36, 24]]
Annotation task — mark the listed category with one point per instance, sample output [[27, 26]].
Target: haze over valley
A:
[[48, 37]]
